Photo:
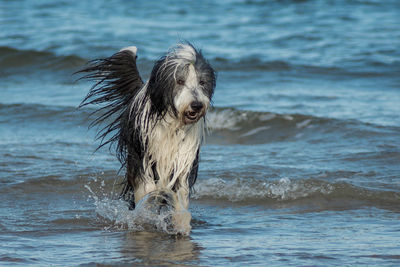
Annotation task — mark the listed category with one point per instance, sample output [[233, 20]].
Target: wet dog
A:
[[158, 126]]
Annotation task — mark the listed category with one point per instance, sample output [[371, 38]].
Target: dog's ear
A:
[[161, 87]]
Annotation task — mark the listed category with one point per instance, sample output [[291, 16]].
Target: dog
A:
[[157, 126]]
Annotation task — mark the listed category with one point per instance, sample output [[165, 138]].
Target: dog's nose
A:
[[196, 106]]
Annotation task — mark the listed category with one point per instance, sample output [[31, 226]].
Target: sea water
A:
[[301, 166]]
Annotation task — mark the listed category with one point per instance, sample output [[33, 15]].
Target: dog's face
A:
[[182, 83], [192, 92]]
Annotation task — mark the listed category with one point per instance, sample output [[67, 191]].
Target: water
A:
[[301, 166]]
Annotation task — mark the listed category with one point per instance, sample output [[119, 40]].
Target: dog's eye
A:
[[202, 83], [180, 82]]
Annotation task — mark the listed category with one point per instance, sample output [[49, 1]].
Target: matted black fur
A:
[[117, 81]]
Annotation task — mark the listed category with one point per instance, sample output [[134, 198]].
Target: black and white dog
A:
[[157, 126]]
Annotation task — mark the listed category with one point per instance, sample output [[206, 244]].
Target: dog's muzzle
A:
[[194, 112]]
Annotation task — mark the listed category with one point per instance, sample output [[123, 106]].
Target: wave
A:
[[13, 60], [230, 126], [364, 69], [287, 191], [103, 188], [226, 125], [15, 113]]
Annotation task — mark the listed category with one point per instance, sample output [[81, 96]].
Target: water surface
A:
[[301, 166]]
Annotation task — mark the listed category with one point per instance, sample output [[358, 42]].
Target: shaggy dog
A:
[[157, 126]]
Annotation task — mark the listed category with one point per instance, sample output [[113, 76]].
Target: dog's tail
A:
[[117, 81]]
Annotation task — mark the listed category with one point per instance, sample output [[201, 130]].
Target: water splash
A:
[[155, 212]]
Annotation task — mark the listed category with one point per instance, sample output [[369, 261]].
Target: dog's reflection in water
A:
[[152, 248]]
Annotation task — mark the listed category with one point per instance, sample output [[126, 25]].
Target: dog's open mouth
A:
[[191, 116]]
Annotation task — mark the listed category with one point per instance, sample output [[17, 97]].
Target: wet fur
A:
[[156, 142]]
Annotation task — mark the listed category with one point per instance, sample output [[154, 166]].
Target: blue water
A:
[[302, 163]]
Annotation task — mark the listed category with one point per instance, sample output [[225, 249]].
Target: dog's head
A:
[[182, 83]]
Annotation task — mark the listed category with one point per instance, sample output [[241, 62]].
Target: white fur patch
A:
[[186, 94], [183, 51], [132, 49]]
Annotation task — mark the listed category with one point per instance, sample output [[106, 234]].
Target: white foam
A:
[[288, 117], [254, 131], [230, 119], [252, 189], [267, 117], [303, 124], [224, 119]]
